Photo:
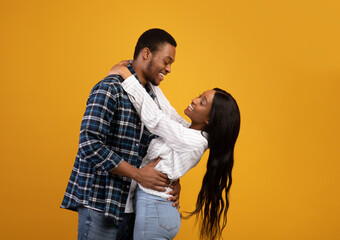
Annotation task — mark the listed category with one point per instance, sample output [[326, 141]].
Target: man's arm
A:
[[147, 176], [95, 127]]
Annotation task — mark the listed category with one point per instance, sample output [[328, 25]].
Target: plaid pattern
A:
[[110, 133]]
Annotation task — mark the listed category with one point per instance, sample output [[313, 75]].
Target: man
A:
[[113, 143]]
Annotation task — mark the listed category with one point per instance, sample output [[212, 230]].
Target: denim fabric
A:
[[93, 225], [156, 218]]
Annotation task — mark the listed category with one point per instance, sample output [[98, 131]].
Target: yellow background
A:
[[279, 59]]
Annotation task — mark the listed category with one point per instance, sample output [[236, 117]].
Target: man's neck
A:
[[136, 66]]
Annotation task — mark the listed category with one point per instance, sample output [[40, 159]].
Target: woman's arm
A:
[[122, 70], [174, 134], [166, 106]]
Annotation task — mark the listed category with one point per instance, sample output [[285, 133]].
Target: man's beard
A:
[[148, 77]]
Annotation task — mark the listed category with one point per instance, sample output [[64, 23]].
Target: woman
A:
[[215, 124]]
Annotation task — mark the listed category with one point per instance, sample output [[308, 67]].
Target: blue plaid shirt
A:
[[110, 133]]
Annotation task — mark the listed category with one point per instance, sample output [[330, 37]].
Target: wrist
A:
[[126, 76], [136, 175], [125, 73]]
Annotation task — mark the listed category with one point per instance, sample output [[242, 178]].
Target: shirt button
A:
[[127, 186], [138, 124], [137, 144]]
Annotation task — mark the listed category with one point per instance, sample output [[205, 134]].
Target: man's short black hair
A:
[[151, 39]]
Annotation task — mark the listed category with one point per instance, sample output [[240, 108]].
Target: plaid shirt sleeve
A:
[[95, 127]]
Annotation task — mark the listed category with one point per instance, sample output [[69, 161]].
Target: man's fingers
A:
[[174, 197], [154, 179], [176, 204], [163, 182], [160, 189], [164, 177], [171, 193]]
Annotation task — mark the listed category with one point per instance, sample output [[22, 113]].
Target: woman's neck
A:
[[197, 126]]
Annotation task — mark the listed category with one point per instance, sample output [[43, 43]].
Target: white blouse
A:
[[179, 147]]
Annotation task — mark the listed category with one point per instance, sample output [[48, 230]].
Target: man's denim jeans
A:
[[93, 225]]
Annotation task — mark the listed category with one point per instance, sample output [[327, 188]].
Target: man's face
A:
[[160, 64]]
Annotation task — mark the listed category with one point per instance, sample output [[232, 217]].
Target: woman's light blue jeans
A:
[[156, 218]]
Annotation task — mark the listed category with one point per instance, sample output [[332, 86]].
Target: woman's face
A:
[[199, 109]]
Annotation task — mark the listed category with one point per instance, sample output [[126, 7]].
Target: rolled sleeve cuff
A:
[[110, 163]]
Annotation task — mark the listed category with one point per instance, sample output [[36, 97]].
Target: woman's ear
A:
[[207, 122]]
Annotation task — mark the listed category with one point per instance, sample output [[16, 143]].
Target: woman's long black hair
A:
[[223, 129]]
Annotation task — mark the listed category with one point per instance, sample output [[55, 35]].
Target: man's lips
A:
[[162, 76]]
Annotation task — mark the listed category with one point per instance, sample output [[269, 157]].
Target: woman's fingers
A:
[[125, 62]]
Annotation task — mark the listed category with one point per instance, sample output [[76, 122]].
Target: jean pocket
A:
[[168, 216]]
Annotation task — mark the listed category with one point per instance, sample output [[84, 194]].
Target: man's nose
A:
[[168, 68]]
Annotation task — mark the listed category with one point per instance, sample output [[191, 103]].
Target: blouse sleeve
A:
[[174, 134], [166, 106]]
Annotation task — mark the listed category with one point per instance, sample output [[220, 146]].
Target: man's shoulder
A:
[[112, 80], [112, 83]]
